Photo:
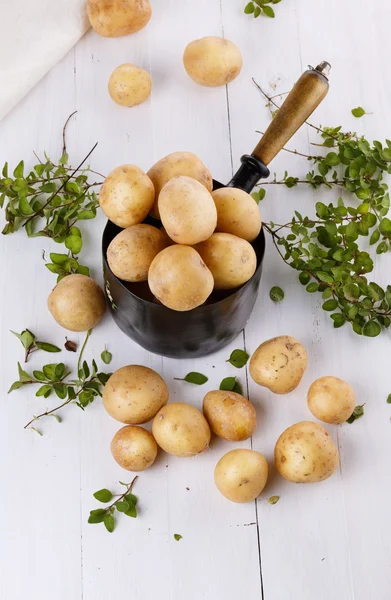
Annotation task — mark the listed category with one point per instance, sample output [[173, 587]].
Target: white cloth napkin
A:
[[34, 36]]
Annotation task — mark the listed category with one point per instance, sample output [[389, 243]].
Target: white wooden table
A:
[[323, 541]]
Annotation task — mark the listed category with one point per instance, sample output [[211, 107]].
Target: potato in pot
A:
[[230, 415], [131, 252], [181, 429], [237, 213], [305, 453], [240, 475], [115, 18]]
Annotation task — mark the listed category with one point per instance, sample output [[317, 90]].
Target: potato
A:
[[231, 260], [179, 278], [331, 400], [237, 213], [134, 394], [173, 165], [305, 453], [279, 364], [131, 252], [134, 448], [230, 415], [114, 18], [181, 430], [77, 303], [129, 85], [187, 210], [240, 475], [212, 61], [126, 196]]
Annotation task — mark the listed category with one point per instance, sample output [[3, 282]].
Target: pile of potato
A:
[[200, 240], [304, 453]]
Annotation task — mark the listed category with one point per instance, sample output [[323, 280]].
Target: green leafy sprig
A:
[[261, 7], [357, 414], [31, 344], [193, 377], [125, 503], [238, 358]]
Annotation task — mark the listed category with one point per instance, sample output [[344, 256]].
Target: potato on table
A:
[[173, 165], [230, 415], [134, 394], [231, 260], [131, 252], [114, 18], [331, 400], [129, 85], [212, 61], [305, 453], [179, 278], [240, 475], [187, 210], [77, 303], [127, 196], [237, 213], [134, 448], [180, 429], [279, 364]]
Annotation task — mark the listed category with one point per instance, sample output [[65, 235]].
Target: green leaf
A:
[[44, 390], [238, 358], [325, 277], [55, 269], [257, 12], [389, 399], [39, 375], [276, 294], [385, 227], [103, 495], [330, 305], [357, 413], [122, 506], [131, 499], [97, 516], [339, 320], [268, 11], [74, 243], [103, 378], [59, 371], [82, 270], [18, 171], [273, 499], [249, 8], [47, 347], [374, 237], [358, 112], [351, 291], [58, 259], [25, 207], [132, 512], [49, 371], [177, 536], [106, 356], [304, 278], [23, 375], [5, 170], [230, 384], [109, 522], [26, 337], [312, 287], [332, 159], [193, 377], [259, 195], [15, 386], [371, 328], [86, 369], [86, 214], [75, 231], [61, 391]]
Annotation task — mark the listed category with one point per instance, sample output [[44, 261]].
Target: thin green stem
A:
[[82, 350]]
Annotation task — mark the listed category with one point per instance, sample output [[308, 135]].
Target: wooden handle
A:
[[306, 95]]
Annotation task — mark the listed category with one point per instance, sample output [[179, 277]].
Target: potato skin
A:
[[187, 210], [305, 453], [331, 400], [237, 213], [134, 394], [279, 364], [129, 85], [179, 278], [77, 303], [126, 196], [131, 252], [115, 18], [212, 61], [173, 165], [231, 260], [182, 430], [230, 415], [134, 448], [240, 475]]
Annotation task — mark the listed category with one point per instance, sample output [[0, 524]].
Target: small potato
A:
[[134, 394], [173, 165], [126, 196], [230, 415], [187, 210], [240, 475], [231, 260], [331, 400], [134, 448], [181, 430], [212, 61], [77, 303], [179, 278], [129, 85], [131, 252], [279, 364], [114, 18], [237, 213], [305, 453]]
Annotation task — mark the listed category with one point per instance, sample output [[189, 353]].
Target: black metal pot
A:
[[216, 323]]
